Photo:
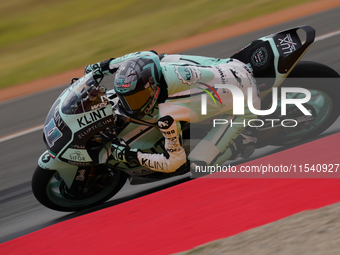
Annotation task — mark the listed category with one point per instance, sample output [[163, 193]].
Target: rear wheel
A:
[[324, 104], [51, 191]]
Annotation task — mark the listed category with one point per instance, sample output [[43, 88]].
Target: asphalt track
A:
[[21, 213]]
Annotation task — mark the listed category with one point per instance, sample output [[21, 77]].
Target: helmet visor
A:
[[137, 100]]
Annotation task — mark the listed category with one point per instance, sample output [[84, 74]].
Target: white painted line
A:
[[328, 35], [21, 133]]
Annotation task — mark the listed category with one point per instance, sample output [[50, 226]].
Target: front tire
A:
[[47, 187]]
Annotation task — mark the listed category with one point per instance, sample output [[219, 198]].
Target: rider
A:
[[174, 84]]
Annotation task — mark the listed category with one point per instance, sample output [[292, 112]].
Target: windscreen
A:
[[84, 96]]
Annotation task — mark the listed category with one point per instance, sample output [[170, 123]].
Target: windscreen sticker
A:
[[52, 133], [56, 130]]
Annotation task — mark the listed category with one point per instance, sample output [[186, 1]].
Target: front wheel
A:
[[322, 82], [51, 191]]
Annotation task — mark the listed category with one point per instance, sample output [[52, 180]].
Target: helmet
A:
[[137, 85]]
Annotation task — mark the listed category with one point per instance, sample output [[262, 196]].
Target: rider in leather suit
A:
[[174, 83]]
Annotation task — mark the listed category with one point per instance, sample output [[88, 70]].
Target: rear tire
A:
[[330, 93]]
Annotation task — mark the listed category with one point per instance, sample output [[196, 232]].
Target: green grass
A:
[[40, 38]]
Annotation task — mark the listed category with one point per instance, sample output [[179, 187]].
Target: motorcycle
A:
[[76, 171]]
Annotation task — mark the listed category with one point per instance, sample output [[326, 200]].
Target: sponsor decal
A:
[[237, 76], [168, 132], [259, 57], [222, 74], [154, 164], [88, 130], [52, 154], [188, 75], [287, 44], [120, 83], [81, 175], [56, 131], [77, 156], [165, 122], [46, 158], [91, 117], [52, 133], [100, 105], [152, 102], [78, 163], [76, 146], [53, 129], [173, 144], [57, 118]]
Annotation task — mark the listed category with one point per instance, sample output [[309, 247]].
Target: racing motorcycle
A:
[[76, 171]]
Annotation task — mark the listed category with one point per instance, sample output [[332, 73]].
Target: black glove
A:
[[100, 67], [123, 153], [95, 69], [91, 68]]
